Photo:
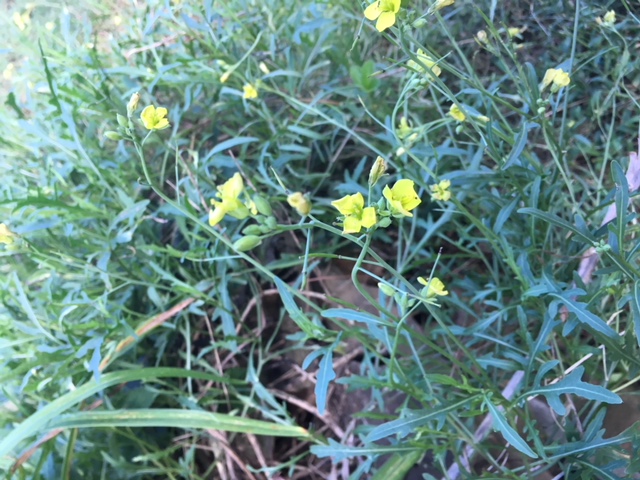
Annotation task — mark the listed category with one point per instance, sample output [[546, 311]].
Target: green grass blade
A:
[[38, 422], [168, 417]]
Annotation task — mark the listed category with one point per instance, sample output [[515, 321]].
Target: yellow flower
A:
[[557, 78], [404, 130], [22, 20], [154, 118], [402, 197], [609, 19], [6, 236], [385, 11], [514, 32], [441, 4], [424, 61], [300, 202], [433, 288], [230, 203], [440, 191], [250, 91], [456, 113], [355, 215]]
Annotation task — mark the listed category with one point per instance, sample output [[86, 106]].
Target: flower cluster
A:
[[398, 202], [557, 78]]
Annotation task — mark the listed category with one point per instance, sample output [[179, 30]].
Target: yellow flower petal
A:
[[385, 20], [216, 215], [352, 224], [435, 287], [373, 11], [349, 204], [232, 188], [456, 113], [368, 217]]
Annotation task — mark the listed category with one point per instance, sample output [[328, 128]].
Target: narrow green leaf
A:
[[413, 420], [294, 311], [622, 201], [585, 316], [37, 422], [519, 144], [339, 452], [324, 377], [635, 309], [554, 220], [397, 467], [355, 316], [572, 384], [508, 432], [168, 417], [231, 143]]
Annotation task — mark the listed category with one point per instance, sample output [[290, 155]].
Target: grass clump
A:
[[303, 240]]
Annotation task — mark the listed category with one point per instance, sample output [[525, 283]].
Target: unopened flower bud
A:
[[225, 76], [300, 202], [387, 289], [111, 135], [378, 169], [262, 205], [271, 223], [122, 120], [263, 68], [252, 230], [246, 243], [442, 3], [400, 151], [133, 104], [419, 23]]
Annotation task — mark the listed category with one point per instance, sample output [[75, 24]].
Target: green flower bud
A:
[[111, 135], [384, 222], [387, 289], [122, 121], [271, 223], [247, 243], [419, 23], [252, 230], [262, 205]]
